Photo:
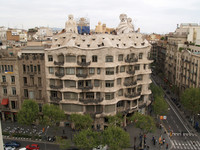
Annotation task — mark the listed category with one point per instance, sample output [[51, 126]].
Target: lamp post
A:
[[45, 135], [1, 137]]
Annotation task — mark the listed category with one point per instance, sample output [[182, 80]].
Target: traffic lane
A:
[[49, 146]]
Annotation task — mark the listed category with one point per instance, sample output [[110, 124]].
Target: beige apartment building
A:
[[100, 74], [9, 85], [182, 57]]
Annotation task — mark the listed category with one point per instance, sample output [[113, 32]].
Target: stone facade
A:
[[99, 74]]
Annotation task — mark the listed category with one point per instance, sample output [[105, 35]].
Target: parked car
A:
[[9, 148], [32, 147], [24, 148], [12, 144]]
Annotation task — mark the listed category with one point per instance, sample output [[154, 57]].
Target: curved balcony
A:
[[85, 87], [56, 86], [130, 83], [55, 99], [83, 64], [58, 63], [131, 60], [131, 72], [60, 75], [132, 95], [82, 75], [90, 100]]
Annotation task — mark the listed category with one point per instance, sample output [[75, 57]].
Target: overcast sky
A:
[[158, 16]]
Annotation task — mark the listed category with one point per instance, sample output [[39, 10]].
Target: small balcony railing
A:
[[60, 75], [82, 75], [131, 72], [130, 83], [4, 83], [84, 64], [85, 87], [55, 99], [58, 63], [90, 100], [132, 95], [56, 86], [131, 60]]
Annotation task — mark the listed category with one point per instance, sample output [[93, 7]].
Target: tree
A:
[[156, 90], [63, 143], [28, 113], [160, 106], [143, 122], [87, 139], [115, 120], [52, 114], [191, 101], [116, 138], [81, 121]]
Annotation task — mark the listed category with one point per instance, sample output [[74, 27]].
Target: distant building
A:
[[43, 33], [103, 29]]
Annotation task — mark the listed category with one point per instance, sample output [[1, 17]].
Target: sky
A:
[[151, 16]]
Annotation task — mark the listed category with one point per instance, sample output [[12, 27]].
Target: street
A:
[[183, 135]]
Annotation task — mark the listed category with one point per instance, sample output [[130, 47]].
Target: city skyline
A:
[[150, 16]]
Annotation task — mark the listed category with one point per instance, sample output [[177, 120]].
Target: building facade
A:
[[100, 74]]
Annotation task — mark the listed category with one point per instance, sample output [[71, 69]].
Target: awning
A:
[[4, 101]]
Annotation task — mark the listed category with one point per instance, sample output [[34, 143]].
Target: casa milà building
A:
[[99, 74]]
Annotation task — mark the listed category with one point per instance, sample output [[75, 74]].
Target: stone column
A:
[[125, 120], [3, 116], [12, 118]]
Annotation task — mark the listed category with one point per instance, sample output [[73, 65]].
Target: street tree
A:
[[116, 138], [28, 113], [160, 106], [51, 114], [63, 143], [87, 139], [115, 120], [156, 90], [81, 121], [190, 99]]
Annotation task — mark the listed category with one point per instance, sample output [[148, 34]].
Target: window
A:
[[31, 95], [140, 55], [50, 58], [109, 58], [109, 71], [120, 57], [70, 58], [3, 78], [119, 81], [12, 79], [70, 96], [32, 80], [122, 69], [70, 71], [39, 81], [27, 68], [90, 95], [117, 69], [51, 70], [24, 68], [13, 105], [98, 70], [109, 96], [38, 68], [139, 77], [5, 90], [8, 67], [120, 92], [109, 83], [39, 94], [91, 70], [139, 88], [26, 93], [11, 68], [137, 67], [94, 58], [96, 83], [70, 83], [31, 68], [25, 80], [13, 91], [35, 68]]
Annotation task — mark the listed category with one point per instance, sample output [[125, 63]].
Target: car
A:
[[23, 148], [9, 148], [32, 147], [12, 144]]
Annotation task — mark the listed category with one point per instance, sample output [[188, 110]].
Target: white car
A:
[[22, 148], [9, 148], [100, 147]]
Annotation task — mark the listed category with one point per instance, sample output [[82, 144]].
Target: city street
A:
[[183, 135]]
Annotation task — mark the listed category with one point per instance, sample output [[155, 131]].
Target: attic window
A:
[[129, 37], [99, 45], [55, 39], [135, 44], [103, 38], [73, 37], [83, 40], [142, 43], [117, 45], [58, 45], [64, 37], [88, 45], [137, 37], [102, 44], [78, 45], [119, 39], [93, 39], [113, 39], [124, 44]]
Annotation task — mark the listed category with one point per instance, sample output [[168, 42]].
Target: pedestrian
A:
[[166, 145], [154, 142], [163, 141], [153, 138]]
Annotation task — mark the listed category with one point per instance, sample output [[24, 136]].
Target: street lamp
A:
[[1, 137], [45, 135]]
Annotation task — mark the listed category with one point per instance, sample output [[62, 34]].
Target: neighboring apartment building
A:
[[32, 73], [43, 33], [9, 85], [100, 74], [3, 36], [182, 56]]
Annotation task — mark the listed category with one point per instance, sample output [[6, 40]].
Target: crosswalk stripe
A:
[[192, 143], [183, 144], [198, 143], [187, 145], [190, 147]]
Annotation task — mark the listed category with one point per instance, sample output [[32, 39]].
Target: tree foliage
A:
[[156, 90], [160, 106], [52, 114], [116, 138], [87, 139], [144, 122], [191, 100], [115, 120], [28, 113], [81, 121], [63, 143]]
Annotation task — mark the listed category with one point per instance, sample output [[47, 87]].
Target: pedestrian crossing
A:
[[188, 144], [184, 134]]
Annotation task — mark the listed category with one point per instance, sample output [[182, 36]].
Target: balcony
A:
[[132, 95], [131, 60], [85, 87], [60, 75], [4, 83], [82, 75], [3, 108], [132, 83], [83, 64], [56, 86], [58, 63], [131, 72], [90, 100], [55, 99]]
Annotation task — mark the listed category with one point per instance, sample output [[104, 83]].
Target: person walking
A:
[[167, 146], [163, 141]]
